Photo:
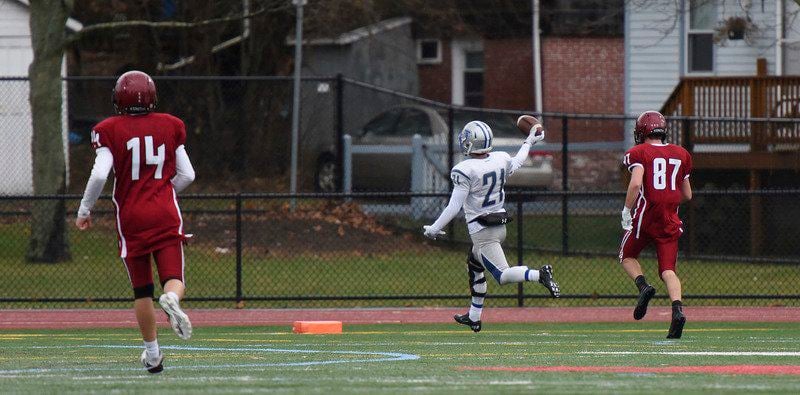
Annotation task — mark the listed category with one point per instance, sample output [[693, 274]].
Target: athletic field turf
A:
[[712, 357]]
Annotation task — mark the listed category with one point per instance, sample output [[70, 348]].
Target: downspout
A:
[[537, 57], [779, 38]]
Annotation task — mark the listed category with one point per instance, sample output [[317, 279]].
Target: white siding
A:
[[16, 131], [13, 19], [791, 50], [652, 58], [738, 58], [653, 39]]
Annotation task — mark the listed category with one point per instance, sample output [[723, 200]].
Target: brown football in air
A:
[[526, 122]]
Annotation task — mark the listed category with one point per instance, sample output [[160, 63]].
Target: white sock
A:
[[174, 295], [476, 307], [475, 312], [518, 274], [152, 348]]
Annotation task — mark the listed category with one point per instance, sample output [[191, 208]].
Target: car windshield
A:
[[383, 124], [402, 121], [503, 125]]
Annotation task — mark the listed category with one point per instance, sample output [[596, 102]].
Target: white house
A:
[[16, 55], [666, 40]]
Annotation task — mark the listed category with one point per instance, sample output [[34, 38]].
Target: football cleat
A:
[[645, 295], [152, 365], [676, 327], [177, 318], [464, 320], [546, 279]]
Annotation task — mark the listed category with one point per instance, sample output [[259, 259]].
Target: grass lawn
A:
[[437, 269], [616, 359]]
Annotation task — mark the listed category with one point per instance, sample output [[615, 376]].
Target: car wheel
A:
[[326, 175]]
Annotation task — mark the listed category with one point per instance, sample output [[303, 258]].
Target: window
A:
[[384, 124], [473, 79], [414, 121], [700, 37], [429, 51]]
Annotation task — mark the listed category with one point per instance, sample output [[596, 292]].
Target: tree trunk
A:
[[48, 241]]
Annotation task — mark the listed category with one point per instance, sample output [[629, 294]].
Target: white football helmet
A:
[[475, 138]]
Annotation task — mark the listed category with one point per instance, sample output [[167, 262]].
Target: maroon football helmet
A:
[[650, 123], [134, 93]]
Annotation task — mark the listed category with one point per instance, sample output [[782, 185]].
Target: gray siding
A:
[[739, 58], [791, 50], [386, 58], [654, 43], [16, 130], [652, 58]]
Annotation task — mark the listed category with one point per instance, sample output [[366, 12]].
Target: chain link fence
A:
[[368, 250], [363, 248]]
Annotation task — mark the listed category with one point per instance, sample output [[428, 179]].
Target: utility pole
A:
[[298, 64]]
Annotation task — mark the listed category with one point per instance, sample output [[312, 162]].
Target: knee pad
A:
[[145, 291], [478, 288], [473, 264]]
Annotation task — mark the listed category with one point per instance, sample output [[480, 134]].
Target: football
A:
[[526, 122]]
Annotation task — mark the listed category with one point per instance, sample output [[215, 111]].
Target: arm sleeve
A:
[[94, 187], [632, 159], [180, 133], [457, 199], [519, 158], [184, 172], [687, 170]]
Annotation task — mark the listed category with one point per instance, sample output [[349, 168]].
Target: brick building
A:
[[582, 72]]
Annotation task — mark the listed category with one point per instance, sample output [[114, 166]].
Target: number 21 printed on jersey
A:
[[491, 180]]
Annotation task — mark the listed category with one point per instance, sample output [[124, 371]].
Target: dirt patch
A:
[[321, 229], [125, 318]]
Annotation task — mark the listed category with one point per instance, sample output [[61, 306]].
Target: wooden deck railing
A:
[[736, 97]]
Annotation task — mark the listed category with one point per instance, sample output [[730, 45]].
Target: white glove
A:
[[627, 220], [536, 135], [432, 233]]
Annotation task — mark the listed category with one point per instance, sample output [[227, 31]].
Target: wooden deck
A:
[[773, 142], [757, 130]]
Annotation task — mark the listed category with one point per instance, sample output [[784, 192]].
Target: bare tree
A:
[[48, 242]]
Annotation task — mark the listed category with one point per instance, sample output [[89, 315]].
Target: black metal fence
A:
[[368, 250], [239, 132]]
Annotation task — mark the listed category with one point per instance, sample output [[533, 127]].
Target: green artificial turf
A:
[[403, 359]]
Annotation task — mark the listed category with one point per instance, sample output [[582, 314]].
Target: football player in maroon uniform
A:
[[659, 184], [146, 151]]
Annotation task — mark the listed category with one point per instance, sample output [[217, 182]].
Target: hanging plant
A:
[[735, 28]]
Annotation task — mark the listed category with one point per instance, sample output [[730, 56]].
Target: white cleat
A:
[[152, 365], [177, 318]]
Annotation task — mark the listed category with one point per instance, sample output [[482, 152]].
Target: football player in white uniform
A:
[[478, 185]]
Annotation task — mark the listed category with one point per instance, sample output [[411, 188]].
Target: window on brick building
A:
[[429, 51], [473, 78], [700, 36]]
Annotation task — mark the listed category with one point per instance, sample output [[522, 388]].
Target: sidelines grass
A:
[[96, 272], [223, 360]]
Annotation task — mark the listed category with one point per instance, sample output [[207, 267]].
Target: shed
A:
[[16, 54]]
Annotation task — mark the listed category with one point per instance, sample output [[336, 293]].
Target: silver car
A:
[[390, 169]]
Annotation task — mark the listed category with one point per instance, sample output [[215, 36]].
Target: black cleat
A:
[[546, 279], [645, 295], [464, 320], [152, 366], [676, 327]]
